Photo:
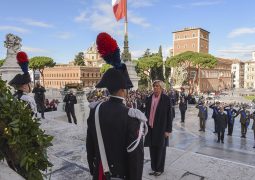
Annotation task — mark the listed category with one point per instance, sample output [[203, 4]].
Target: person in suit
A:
[[231, 114], [70, 100], [202, 114], [183, 105], [244, 120], [173, 99], [158, 112], [215, 108], [39, 97], [120, 125], [253, 126], [222, 121]]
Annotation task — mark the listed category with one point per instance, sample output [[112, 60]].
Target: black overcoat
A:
[[70, 101], [221, 121], [39, 97], [118, 131], [162, 122]]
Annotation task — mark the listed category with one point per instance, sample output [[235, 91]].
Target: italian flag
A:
[[119, 8]]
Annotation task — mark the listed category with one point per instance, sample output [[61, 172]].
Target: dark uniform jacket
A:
[[222, 121], [232, 114], [183, 104], [244, 117], [215, 110], [39, 97], [162, 122], [203, 112], [119, 130], [70, 100]]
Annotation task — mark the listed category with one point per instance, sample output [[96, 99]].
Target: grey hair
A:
[[161, 83]]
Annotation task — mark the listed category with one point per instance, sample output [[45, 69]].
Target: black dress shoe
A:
[[222, 142], [200, 130], [253, 146], [152, 173], [218, 141], [157, 173]]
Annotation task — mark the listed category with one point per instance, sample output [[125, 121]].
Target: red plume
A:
[[22, 57], [106, 44]]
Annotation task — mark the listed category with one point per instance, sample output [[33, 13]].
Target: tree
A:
[[39, 63], [146, 67], [104, 68], [190, 59], [79, 59], [1, 62], [23, 144], [160, 53]]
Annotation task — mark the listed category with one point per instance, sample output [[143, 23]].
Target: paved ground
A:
[[191, 155]]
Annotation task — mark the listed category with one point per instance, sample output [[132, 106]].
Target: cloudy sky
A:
[[61, 28]]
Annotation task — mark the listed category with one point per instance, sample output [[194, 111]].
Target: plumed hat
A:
[[21, 79], [116, 77]]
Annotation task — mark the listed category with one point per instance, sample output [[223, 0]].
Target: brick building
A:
[[190, 39], [58, 76], [197, 40]]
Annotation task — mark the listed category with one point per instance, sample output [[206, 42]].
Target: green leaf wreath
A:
[[22, 143]]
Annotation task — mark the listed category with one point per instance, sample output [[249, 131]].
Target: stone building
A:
[[190, 39], [58, 76], [92, 57], [249, 74], [237, 72], [218, 78], [204, 79]]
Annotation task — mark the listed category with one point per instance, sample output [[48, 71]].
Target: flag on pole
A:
[[119, 9]]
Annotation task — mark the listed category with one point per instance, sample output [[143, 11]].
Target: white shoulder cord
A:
[[143, 130], [100, 141]]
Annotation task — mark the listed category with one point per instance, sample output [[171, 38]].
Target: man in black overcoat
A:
[[120, 126], [39, 97], [221, 121], [183, 105], [70, 100], [158, 112]]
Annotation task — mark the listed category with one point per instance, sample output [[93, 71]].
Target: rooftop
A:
[[191, 28]]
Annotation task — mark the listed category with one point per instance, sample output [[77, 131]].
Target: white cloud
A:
[[36, 23], [101, 18], [141, 3], [237, 50], [206, 3], [241, 31], [14, 29], [138, 20], [64, 35], [81, 18], [198, 4], [34, 50]]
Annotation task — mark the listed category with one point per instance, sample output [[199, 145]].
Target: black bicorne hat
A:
[[116, 77], [21, 79]]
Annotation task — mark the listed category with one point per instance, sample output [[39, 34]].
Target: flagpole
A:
[[126, 56], [126, 21]]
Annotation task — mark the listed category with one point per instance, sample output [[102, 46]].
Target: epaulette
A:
[[92, 105], [136, 113]]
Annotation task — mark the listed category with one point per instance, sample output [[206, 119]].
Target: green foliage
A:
[[104, 68], [41, 62], [1, 62], [22, 143], [192, 58], [79, 59]]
